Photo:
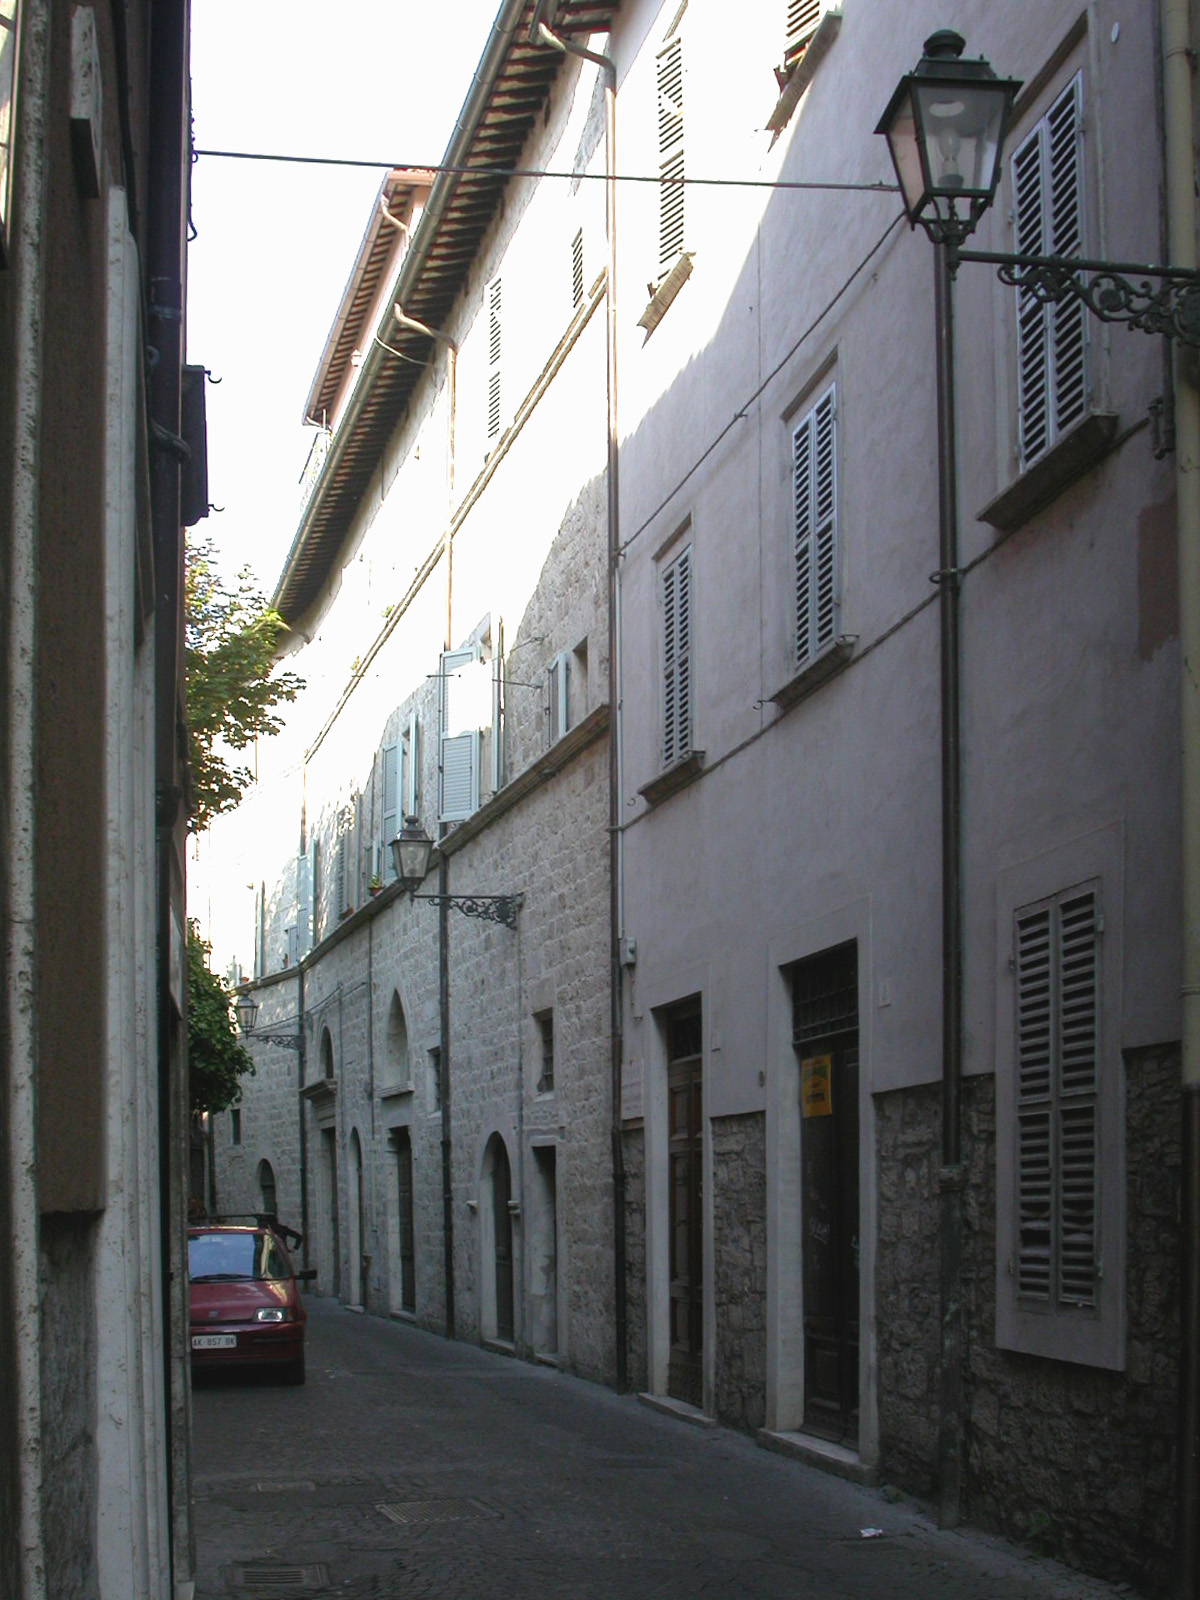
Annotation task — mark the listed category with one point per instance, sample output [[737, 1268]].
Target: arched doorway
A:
[[266, 1186], [359, 1261], [496, 1243]]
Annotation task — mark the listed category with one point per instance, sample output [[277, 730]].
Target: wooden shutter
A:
[[802, 19], [339, 871], [670, 155], [677, 659], [493, 390], [459, 752], [1048, 212], [304, 901], [577, 269], [411, 787], [1057, 998], [314, 891], [558, 690], [815, 530], [391, 820], [498, 761]]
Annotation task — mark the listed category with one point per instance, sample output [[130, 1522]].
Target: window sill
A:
[[811, 676], [794, 84], [664, 296], [1063, 464], [396, 1091], [673, 779]]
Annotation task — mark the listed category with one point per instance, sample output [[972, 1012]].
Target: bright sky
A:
[[376, 80]]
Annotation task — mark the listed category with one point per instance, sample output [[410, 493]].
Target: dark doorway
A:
[[408, 1254], [502, 1216], [685, 1370], [825, 1035]]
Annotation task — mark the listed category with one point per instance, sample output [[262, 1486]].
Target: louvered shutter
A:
[[459, 751], [339, 872], [391, 821], [493, 391], [558, 681], [1057, 997], [577, 269], [260, 960], [677, 659], [802, 19], [314, 891], [411, 791], [815, 530], [1048, 213], [670, 155], [304, 899], [498, 761]]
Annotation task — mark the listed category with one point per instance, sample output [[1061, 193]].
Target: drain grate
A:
[[417, 1513], [260, 1577]]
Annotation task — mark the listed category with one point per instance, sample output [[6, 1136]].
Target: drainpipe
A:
[[1181, 222], [18, 889], [615, 836]]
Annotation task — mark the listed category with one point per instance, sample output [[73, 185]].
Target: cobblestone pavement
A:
[[409, 1466]]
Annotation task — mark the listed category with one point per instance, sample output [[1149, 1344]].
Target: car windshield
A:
[[228, 1257]]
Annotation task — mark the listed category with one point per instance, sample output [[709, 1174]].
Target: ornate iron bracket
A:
[[489, 907], [1165, 300], [285, 1041]]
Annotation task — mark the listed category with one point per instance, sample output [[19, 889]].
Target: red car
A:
[[244, 1301]]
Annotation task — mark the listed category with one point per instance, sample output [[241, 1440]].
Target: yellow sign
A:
[[816, 1087]]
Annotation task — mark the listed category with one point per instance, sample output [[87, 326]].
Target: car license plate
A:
[[214, 1341]]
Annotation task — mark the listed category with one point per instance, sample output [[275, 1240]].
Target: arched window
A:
[[396, 1071], [266, 1184], [327, 1054]]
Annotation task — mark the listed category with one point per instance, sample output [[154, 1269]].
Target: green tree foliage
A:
[[215, 1058], [233, 682]]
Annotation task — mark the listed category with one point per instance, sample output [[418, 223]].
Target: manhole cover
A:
[[260, 1577], [411, 1513]]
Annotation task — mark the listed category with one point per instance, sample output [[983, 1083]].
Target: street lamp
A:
[[246, 1010], [945, 127], [411, 849]]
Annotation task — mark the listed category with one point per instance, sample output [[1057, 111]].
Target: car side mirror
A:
[[306, 1276]]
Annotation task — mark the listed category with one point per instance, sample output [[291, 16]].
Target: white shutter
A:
[[391, 820], [670, 155], [577, 269], [815, 528], [802, 19], [411, 789], [1048, 213], [260, 958], [1057, 998], [339, 872], [459, 747], [498, 763], [558, 694], [493, 389], [314, 891], [304, 903], [677, 659]]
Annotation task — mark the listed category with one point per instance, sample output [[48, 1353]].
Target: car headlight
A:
[[271, 1314]]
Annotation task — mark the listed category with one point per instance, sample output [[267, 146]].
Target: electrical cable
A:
[[740, 414], [879, 187]]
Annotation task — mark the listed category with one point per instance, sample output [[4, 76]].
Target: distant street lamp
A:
[[411, 849]]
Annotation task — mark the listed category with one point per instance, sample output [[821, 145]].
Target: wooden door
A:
[[408, 1278], [826, 1039], [685, 1372], [501, 1195]]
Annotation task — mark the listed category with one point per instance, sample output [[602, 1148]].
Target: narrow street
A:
[[409, 1466]]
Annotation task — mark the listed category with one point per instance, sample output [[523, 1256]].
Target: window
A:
[[1052, 380], [1060, 1181], [396, 1061], [235, 1126], [558, 681], [499, 751], [1057, 1049], [410, 788], [492, 298], [435, 1079], [577, 269], [545, 1022], [10, 28], [459, 764], [815, 529], [670, 155], [341, 886], [677, 659]]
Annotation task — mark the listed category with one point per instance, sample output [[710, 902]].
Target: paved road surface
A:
[[412, 1467]]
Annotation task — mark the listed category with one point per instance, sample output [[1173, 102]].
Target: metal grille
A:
[[261, 1577], [825, 995], [420, 1513]]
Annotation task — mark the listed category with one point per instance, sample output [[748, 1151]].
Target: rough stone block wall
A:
[[739, 1150], [68, 1398], [1075, 1461], [635, 1257]]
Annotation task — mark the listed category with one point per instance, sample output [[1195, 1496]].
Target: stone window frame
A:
[[1088, 1337]]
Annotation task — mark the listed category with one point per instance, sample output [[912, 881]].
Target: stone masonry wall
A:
[[634, 1140], [1076, 1461], [740, 1268]]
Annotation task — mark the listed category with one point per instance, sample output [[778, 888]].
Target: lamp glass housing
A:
[[246, 1011], [411, 849]]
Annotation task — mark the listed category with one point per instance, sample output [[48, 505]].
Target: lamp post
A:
[[945, 126], [246, 1010]]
